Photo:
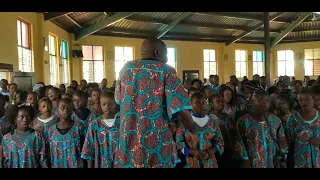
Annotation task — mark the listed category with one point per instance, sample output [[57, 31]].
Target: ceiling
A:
[[228, 27]]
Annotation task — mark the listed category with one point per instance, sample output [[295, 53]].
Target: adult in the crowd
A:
[[148, 100], [74, 85], [4, 87], [256, 77], [104, 84], [83, 85], [306, 80], [263, 82]]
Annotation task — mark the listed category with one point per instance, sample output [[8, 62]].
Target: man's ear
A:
[[156, 53]]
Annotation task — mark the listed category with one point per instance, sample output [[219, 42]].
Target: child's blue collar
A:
[[197, 115]]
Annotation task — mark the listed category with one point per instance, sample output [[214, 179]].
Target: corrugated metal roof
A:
[[136, 26], [221, 25], [199, 18]]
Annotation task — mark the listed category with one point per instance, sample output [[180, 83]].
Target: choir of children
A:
[[237, 124]]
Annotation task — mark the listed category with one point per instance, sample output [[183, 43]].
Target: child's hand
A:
[[212, 151], [314, 141], [204, 156], [195, 153]]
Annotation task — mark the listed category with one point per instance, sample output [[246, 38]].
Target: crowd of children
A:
[[238, 124]]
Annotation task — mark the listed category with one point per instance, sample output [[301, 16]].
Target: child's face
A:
[[52, 95], [64, 110], [96, 96], [23, 120], [69, 90], [45, 108], [216, 80], [227, 96], [208, 92], [316, 101], [12, 89], [306, 102], [217, 103], [198, 105], [32, 99], [79, 103], [281, 104], [108, 105], [261, 103], [196, 85], [297, 87], [97, 107]]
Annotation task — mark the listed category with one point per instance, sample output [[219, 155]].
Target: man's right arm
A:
[[186, 120]]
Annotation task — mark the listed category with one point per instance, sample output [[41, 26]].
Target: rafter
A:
[[53, 15], [299, 20], [173, 24], [100, 25], [253, 29]]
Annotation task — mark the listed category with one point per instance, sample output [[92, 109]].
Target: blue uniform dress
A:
[[65, 149], [101, 143], [149, 93], [305, 155], [43, 127], [30, 153]]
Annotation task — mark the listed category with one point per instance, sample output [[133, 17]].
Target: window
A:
[[285, 63], [171, 54], [241, 64], [258, 63], [24, 46], [209, 62], [53, 59], [312, 62], [3, 75], [122, 55], [92, 63], [65, 61]]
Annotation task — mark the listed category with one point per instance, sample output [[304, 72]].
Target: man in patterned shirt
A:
[[149, 93]]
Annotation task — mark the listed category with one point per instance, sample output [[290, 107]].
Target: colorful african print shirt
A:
[[43, 127], [30, 153], [101, 143], [305, 155], [85, 122], [260, 142], [149, 93], [209, 136], [231, 111], [65, 149]]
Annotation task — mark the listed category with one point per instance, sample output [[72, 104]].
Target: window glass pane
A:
[[98, 71], [238, 67], [66, 71], [52, 47], [243, 56], [171, 57], [281, 55], [212, 55], [64, 49], [243, 69], [25, 35], [97, 53], [206, 69], [290, 68], [205, 55], [19, 33], [281, 69], [119, 53], [316, 53], [87, 67], [213, 68], [87, 52], [289, 55], [128, 53], [53, 70], [308, 67]]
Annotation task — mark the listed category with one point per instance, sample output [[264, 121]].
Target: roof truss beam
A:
[[72, 20], [253, 29], [100, 25], [244, 17], [53, 15], [173, 24], [282, 35]]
